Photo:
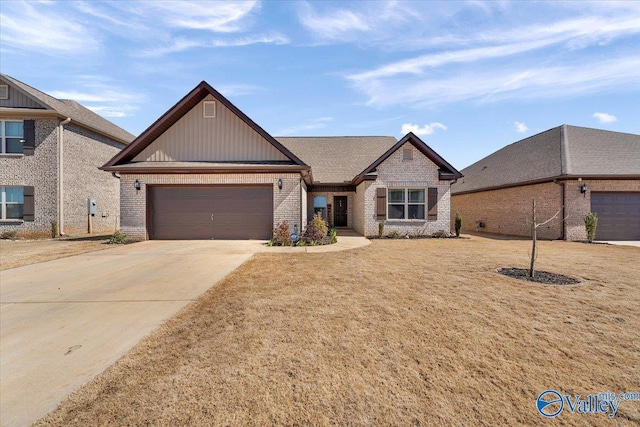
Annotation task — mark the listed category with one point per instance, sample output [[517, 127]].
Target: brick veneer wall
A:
[[39, 171], [84, 153], [578, 205], [508, 211], [133, 204], [420, 172]]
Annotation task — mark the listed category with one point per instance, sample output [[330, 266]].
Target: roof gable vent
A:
[[4, 91], [407, 154], [209, 109]]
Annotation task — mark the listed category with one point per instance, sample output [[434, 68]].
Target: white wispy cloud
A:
[[315, 124], [520, 127], [359, 22], [104, 97], [490, 83], [333, 25], [182, 44], [220, 17], [576, 32], [239, 89], [424, 130], [605, 117], [45, 29]]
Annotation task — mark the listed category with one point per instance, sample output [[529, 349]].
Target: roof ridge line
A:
[[565, 160]]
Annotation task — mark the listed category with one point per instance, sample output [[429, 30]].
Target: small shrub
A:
[[458, 224], [590, 223], [118, 238], [281, 235], [9, 235], [440, 234], [333, 236], [381, 229], [394, 234], [54, 229], [316, 230]]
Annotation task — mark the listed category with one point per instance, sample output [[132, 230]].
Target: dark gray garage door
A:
[[618, 215], [211, 212]]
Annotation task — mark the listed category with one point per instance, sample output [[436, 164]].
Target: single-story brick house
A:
[[50, 153], [569, 169], [204, 170]]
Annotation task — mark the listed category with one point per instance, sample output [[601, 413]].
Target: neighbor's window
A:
[[406, 203], [12, 133], [11, 202], [320, 206]]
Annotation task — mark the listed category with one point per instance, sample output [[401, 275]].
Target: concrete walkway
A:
[[62, 322], [635, 243]]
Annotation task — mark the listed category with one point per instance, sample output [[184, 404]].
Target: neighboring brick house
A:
[[568, 169], [204, 170], [49, 158]]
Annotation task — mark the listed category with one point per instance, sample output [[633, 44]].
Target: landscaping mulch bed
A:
[[543, 277]]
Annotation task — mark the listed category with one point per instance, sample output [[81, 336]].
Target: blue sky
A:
[[468, 77]]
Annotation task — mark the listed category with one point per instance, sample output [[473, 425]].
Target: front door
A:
[[340, 212]]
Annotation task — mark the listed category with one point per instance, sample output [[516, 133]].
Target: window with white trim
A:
[[406, 203], [11, 202], [12, 135]]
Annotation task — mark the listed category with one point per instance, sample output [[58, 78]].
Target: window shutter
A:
[[29, 134], [381, 203], [28, 212], [433, 203]]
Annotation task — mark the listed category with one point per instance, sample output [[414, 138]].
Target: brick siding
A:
[[39, 171], [508, 211], [420, 172], [84, 152]]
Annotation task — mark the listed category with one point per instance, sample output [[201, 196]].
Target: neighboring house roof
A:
[[69, 108], [562, 152], [175, 113], [338, 159], [347, 159]]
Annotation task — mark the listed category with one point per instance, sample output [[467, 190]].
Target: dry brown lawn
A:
[[17, 253], [405, 332]]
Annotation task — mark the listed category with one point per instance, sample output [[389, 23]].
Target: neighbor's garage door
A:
[[211, 212], [618, 215]]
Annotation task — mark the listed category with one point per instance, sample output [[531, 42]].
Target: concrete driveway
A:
[[62, 322]]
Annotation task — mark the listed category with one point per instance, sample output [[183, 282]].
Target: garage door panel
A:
[[211, 212], [618, 215]]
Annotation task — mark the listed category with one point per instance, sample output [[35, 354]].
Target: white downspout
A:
[[61, 175]]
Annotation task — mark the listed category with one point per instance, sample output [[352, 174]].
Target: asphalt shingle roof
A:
[[562, 151], [337, 159], [69, 108]]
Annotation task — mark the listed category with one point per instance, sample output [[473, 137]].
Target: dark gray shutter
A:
[[29, 133], [381, 203], [433, 203], [28, 212]]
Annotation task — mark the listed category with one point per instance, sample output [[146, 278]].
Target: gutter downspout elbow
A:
[[61, 175]]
